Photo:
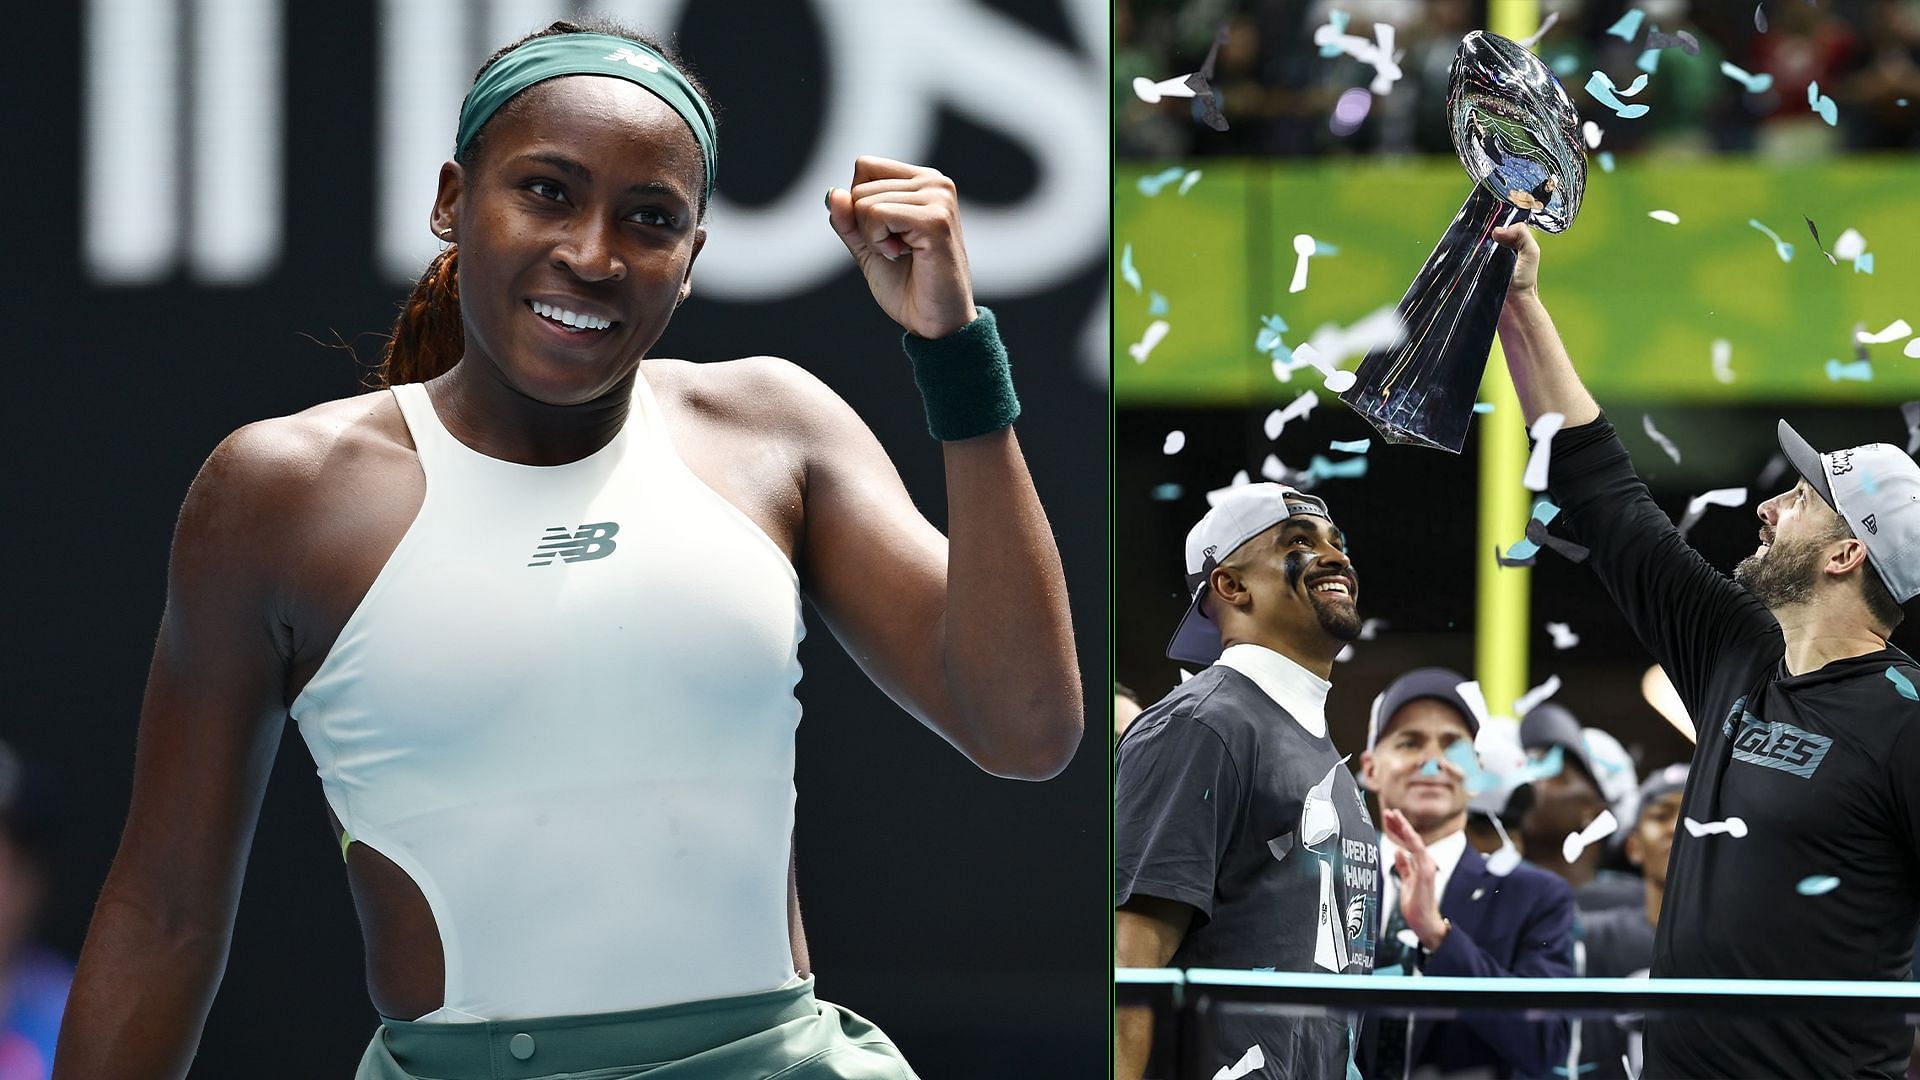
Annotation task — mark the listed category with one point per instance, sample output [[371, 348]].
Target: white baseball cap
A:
[[1241, 514], [1876, 490]]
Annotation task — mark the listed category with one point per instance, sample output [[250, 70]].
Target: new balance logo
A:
[[575, 545], [637, 59]]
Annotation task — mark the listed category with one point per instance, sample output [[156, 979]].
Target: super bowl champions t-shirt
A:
[[1822, 768], [1225, 803]]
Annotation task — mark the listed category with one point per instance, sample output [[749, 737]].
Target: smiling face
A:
[[580, 206], [1289, 587], [1797, 528], [1433, 798]]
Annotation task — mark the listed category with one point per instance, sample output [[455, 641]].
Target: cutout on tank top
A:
[[405, 958]]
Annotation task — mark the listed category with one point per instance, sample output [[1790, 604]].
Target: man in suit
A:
[[1449, 914]]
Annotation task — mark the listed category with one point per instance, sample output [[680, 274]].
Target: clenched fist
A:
[[902, 224]]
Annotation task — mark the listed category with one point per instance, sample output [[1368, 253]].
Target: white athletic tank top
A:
[[565, 708]]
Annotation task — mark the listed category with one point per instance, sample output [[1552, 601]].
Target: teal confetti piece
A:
[[1321, 247], [1268, 340], [1544, 512], [1320, 468], [1857, 371], [1483, 407], [1818, 884], [1151, 185], [1605, 157], [1821, 104], [1127, 273], [1523, 549], [1431, 768], [1548, 765], [1158, 305], [1603, 91], [1780, 247], [1167, 492], [1338, 20], [1360, 446], [1903, 684], [1864, 263], [1460, 752], [1649, 61], [1628, 26]]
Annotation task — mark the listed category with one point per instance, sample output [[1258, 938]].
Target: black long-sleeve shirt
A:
[[1823, 767]]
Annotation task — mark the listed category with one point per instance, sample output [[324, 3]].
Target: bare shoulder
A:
[[279, 467], [761, 393]]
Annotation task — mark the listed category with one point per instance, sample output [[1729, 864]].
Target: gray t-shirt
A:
[[1223, 802]]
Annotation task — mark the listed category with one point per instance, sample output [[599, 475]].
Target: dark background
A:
[[966, 915]]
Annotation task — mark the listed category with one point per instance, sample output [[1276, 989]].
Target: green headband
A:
[[587, 54]]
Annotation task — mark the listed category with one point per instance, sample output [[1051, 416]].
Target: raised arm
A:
[[1543, 375], [971, 632], [209, 726]]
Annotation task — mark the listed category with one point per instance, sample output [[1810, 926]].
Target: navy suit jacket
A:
[[1520, 925]]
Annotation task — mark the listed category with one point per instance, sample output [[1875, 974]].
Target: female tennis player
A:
[[535, 607]]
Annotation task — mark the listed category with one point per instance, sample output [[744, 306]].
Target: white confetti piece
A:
[[1667, 216], [1176, 441], [1274, 469], [1340, 382], [1302, 250], [1533, 39], [1249, 1061], [1563, 635], [1273, 425], [1187, 181], [1525, 703], [1597, 830], [1379, 53], [1370, 628], [1733, 827], [1544, 429], [1185, 674], [1654, 434], [1156, 331], [1408, 938], [1722, 356], [1239, 480], [1296, 409], [1151, 92], [1476, 700], [1895, 330], [1697, 506], [1850, 245], [1345, 654], [1912, 351], [1378, 329], [1592, 132]]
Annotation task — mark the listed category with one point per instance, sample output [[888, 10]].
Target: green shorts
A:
[[778, 1033]]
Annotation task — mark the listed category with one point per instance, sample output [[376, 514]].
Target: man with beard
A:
[[1808, 727], [1240, 838]]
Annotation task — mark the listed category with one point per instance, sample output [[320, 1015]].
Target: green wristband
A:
[[964, 380]]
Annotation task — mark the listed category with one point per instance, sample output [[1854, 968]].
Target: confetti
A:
[[1815, 230], [1276, 470], [1597, 830], [1722, 354], [1507, 560], [1687, 42], [1776, 465], [1476, 779], [1733, 827], [1759, 18], [1910, 412], [1321, 247], [1653, 433], [1755, 84], [1475, 698], [1563, 635], [1187, 181], [1340, 382], [1817, 885], [1251, 1060], [1127, 272], [1903, 684], [1603, 90], [1591, 131], [1483, 407], [1176, 441], [1533, 39], [1379, 329], [1156, 331], [1201, 83], [1566, 549], [1431, 768], [1895, 330], [1543, 431], [1370, 628], [1185, 674], [1605, 158], [1667, 216], [1152, 92], [1378, 53], [1858, 371], [1151, 185], [1912, 350], [1821, 104], [1296, 409], [1545, 767], [1525, 703], [1780, 247], [1649, 61], [1850, 244], [1505, 861], [1303, 248], [1355, 446], [1268, 339], [1326, 36], [1625, 29], [1157, 305], [1320, 468], [1864, 263], [1167, 492], [1543, 511], [1239, 480], [1697, 506]]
